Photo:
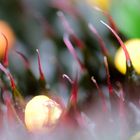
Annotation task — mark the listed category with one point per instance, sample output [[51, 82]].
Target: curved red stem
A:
[[128, 60], [8, 74], [100, 40], [39, 66]]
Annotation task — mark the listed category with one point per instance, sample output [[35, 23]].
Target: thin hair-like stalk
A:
[[128, 60], [72, 51], [104, 50], [104, 106], [39, 66]]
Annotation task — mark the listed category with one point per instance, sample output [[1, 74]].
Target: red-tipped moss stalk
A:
[[104, 106], [100, 40], [5, 58], [24, 58], [72, 51], [128, 60], [110, 88], [39, 66]]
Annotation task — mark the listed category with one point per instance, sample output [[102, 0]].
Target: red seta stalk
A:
[[8, 74], [17, 97], [24, 58], [65, 23], [11, 114], [72, 51], [104, 106], [109, 17], [70, 31], [68, 78], [73, 97], [110, 88], [39, 66], [128, 60], [100, 40], [74, 93]]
